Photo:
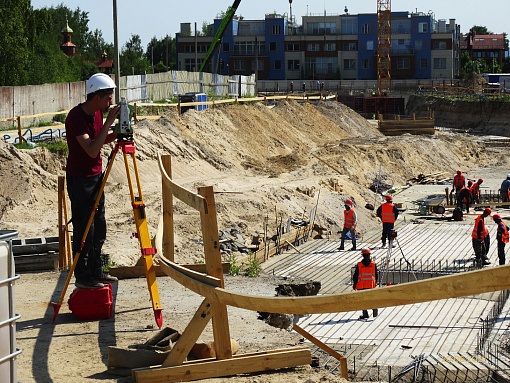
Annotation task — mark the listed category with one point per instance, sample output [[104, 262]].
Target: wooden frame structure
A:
[[210, 285]]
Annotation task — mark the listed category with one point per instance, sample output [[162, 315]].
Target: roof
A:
[[484, 42], [104, 63]]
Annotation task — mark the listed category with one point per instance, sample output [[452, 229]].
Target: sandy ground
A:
[[264, 165]]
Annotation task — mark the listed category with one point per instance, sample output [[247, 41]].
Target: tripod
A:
[[386, 264], [126, 144]]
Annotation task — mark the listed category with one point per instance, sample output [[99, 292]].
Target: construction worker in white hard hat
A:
[[501, 236], [365, 277], [388, 213], [350, 223], [86, 134], [505, 187], [480, 239]]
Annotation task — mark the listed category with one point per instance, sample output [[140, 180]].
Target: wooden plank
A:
[[450, 286], [335, 354], [204, 278], [190, 335], [212, 254], [189, 198], [240, 364], [167, 245], [125, 272]]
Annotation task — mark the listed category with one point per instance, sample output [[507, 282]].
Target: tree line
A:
[[31, 40]]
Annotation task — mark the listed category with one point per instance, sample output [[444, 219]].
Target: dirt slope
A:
[[267, 162]]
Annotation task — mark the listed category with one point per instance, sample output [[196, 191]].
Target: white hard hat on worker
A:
[[99, 81]]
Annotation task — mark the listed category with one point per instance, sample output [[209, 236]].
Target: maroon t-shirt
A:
[[79, 163]]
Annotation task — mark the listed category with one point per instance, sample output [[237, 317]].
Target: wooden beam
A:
[[240, 364], [125, 272], [168, 211], [323, 346], [450, 286]]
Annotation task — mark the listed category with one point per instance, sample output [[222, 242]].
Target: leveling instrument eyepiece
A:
[[123, 128]]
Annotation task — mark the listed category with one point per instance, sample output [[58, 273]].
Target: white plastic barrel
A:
[[8, 350]]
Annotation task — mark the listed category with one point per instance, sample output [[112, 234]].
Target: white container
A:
[[8, 350]]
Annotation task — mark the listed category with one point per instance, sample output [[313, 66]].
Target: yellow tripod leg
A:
[[142, 232]]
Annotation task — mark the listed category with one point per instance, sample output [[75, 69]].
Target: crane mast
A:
[[383, 46]]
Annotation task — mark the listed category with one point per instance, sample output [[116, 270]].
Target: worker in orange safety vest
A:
[[475, 190], [365, 277], [458, 182], [480, 238], [388, 213], [501, 236], [350, 223]]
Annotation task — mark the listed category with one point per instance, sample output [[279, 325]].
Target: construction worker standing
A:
[[464, 198], [501, 236], [503, 190], [458, 182], [480, 238], [350, 222], [365, 277], [475, 191], [388, 213]]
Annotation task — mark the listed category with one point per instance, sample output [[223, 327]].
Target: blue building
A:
[[326, 47]]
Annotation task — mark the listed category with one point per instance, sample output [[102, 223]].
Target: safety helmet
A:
[[470, 183], [348, 202], [496, 216], [459, 172], [365, 251], [487, 211], [99, 81], [508, 176], [480, 180], [389, 197]]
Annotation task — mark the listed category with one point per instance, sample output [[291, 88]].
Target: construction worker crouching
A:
[[480, 239], [350, 223], [388, 213], [501, 236], [365, 277]]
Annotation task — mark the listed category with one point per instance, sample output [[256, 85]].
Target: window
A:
[[439, 63], [349, 26], [272, 46], [243, 48], [226, 47], [330, 47], [321, 28], [313, 47], [189, 65], [277, 64], [418, 45], [239, 65], [370, 45], [189, 48], [349, 47], [293, 47], [292, 64], [439, 45], [423, 27], [276, 30], [424, 63], [365, 64], [403, 63], [260, 65], [365, 29], [349, 64]]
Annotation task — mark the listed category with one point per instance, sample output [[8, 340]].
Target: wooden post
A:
[[168, 215], [135, 117], [20, 135], [61, 225]]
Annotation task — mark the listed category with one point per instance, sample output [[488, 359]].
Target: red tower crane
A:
[[383, 46]]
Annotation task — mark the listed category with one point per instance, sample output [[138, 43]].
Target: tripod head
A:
[[393, 235]]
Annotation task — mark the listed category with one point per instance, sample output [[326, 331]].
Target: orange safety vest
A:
[[475, 189], [504, 235], [349, 218], [484, 232], [387, 214], [366, 276], [458, 181]]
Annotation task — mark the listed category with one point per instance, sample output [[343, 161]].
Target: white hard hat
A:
[[99, 81], [508, 175]]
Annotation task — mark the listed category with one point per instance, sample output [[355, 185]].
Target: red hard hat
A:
[[496, 216], [389, 197], [348, 202], [487, 210], [459, 172], [365, 251], [470, 183], [480, 180]]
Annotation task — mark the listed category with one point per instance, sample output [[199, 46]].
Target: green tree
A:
[[161, 53], [14, 41], [132, 60], [480, 30]]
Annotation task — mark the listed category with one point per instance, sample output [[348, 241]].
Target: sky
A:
[[158, 18]]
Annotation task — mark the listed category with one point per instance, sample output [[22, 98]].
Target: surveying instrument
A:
[[125, 142], [386, 262]]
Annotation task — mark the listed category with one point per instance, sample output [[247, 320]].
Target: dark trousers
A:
[[346, 230], [481, 248], [386, 231], [501, 252], [82, 193]]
